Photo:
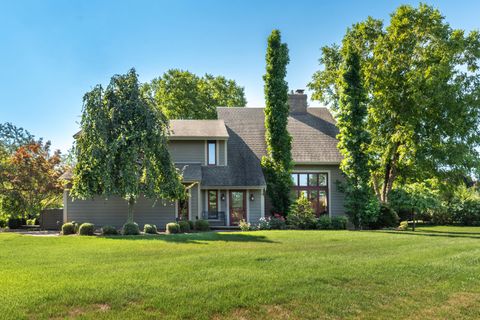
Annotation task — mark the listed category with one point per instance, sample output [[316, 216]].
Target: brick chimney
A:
[[297, 101]]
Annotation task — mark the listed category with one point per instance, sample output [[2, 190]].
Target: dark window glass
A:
[[313, 179], [322, 179], [212, 152], [212, 200]]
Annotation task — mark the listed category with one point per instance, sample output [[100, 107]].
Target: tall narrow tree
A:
[[122, 148], [354, 140], [277, 163]]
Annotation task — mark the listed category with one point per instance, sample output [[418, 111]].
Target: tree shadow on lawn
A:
[[432, 233], [197, 238]]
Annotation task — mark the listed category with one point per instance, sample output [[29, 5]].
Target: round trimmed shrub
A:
[[324, 223], [184, 226], [387, 218], [130, 229], [109, 231], [339, 223], [16, 223], [68, 228], [172, 227], [202, 225], [191, 224], [87, 229], [150, 228]]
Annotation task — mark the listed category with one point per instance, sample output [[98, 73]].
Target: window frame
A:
[[298, 189], [214, 143]]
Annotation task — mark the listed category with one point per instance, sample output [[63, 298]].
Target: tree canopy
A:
[[122, 148], [422, 86], [277, 163], [183, 95]]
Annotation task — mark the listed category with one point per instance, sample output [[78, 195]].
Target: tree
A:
[[122, 148], [12, 137], [184, 95], [422, 87], [354, 140], [32, 180], [277, 164]]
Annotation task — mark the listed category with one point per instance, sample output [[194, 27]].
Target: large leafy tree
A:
[[183, 95], [354, 140], [422, 87], [277, 164], [31, 181], [122, 148]]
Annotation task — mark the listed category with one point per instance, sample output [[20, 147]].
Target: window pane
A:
[[323, 202], [322, 179], [212, 200], [294, 179], [303, 179], [312, 179], [212, 152]]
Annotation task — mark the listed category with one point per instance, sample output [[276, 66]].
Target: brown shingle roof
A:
[[198, 129]]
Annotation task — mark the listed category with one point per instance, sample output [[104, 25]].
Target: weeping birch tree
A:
[[122, 147]]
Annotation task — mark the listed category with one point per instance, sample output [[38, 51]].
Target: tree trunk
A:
[[390, 173], [131, 202]]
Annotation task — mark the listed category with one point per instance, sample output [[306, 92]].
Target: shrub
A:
[[31, 222], [130, 229], [184, 226], [324, 223], [202, 225], [403, 226], [15, 223], [442, 215], [172, 227], [76, 226], [263, 224], [68, 228], [339, 223], [301, 215], [244, 225], [467, 212], [86, 229], [277, 222], [387, 218], [109, 231], [3, 223], [191, 224], [150, 229]]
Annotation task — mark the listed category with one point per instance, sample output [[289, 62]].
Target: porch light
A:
[[222, 196], [252, 198]]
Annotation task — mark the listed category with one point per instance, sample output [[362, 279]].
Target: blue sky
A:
[[52, 52]]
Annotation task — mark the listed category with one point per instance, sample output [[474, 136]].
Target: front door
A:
[[237, 207]]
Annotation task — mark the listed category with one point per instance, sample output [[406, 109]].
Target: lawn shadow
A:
[[196, 238], [446, 234]]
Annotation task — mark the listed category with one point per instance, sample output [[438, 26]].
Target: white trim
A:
[[206, 152], [199, 202], [217, 154], [190, 204], [262, 203], [206, 204], [248, 205], [329, 178], [227, 209], [226, 152], [65, 210]]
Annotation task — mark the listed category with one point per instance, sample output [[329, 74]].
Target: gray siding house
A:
[[220, 162]]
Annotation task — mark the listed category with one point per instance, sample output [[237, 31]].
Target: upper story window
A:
[[211, 152]]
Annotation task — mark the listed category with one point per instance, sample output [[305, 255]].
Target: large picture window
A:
[[314, 187], [211, 152]]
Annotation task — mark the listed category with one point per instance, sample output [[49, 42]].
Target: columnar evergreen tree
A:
[[277, 163], [354, 141], [122, 148]]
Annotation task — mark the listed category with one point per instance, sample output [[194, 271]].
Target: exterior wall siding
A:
[[255, 206], [114, 211], [187, 151], [221, 152], [194, 202]]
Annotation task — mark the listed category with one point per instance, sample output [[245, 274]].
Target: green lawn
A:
[[430, 274]]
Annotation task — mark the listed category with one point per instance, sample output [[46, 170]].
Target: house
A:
[[220, 160]]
